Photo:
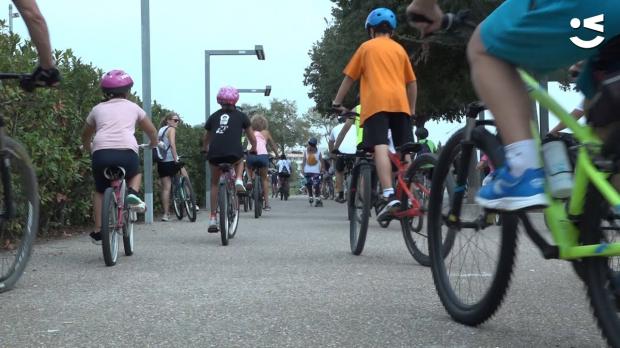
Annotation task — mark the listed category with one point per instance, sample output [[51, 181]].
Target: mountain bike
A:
[[227, 203], [473, 277], [19, 200], [183, 199], [117, 218]]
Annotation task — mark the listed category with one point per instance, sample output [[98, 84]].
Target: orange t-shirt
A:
[[385, 70]]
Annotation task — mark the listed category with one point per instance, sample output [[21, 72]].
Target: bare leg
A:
[[339, 181], [265, 179], [238, 171], [215, 182], [384, 166], [166, 183], [135, 182]]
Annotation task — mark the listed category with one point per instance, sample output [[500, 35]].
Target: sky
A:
[[108, 34]]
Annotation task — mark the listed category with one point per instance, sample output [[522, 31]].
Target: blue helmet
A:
[[380, 15]]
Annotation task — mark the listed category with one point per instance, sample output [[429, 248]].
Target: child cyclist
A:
[[113, 124], [388, 93], [536, 35], [222, 144]]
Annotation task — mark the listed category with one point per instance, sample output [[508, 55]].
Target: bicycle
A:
[[583, 230], [363, 196], [19, 202], [327, 186], [117, 218], [227, 203], [182, 194]]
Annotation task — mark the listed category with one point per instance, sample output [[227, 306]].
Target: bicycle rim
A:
[[233, 215], [360, 209], [223, 208], [129, 217], [17, 232], [472, 275], [176, 200], [109, 225]]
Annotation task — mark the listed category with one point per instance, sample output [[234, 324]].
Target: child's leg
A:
[[309, 185], [166, 183], [215, 182]]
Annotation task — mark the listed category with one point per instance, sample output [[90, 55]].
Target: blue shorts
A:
[[258, 161], [536, 34]]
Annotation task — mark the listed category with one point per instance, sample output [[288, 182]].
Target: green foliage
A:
[[444, 87]]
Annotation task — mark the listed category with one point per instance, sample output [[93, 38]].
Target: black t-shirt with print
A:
[[226, 128]]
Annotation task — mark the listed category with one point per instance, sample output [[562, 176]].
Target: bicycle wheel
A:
[[189, 201], [177, 201], [245, 200], [601, 274], [222, 202], [418, 181], [109, 227], [19, 227], [472, 263], [129, 218], [359, 208], [258, 196], [233, 215]]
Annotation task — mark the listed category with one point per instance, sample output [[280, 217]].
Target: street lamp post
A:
[[260, 54], [266, 91], [11, 16]]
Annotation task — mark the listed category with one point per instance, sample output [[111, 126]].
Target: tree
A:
[[444, 87], [324, 125]]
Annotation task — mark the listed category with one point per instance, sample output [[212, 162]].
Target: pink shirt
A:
[[115, 122], [261, 144]]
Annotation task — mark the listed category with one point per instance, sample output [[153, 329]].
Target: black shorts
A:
[[376, 129], [340, 164], [169, 168], [216, 161], [101, 159]]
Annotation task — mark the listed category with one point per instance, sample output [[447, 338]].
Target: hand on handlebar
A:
[[425, 16]]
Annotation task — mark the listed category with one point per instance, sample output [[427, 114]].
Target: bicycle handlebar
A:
[[26, 81]]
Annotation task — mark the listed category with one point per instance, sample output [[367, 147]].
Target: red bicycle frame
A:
[[401, 186]]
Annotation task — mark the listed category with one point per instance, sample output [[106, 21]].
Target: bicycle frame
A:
[[401, 186], [117, 185], [565, 233]]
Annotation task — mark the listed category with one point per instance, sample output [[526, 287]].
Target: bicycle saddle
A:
[[114, 173], [409, 148]]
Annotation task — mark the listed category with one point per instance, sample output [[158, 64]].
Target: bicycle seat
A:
[[114, 173], [409, 148], [225, 166]]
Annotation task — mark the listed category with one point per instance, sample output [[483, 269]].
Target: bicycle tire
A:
[[601, 278], [109, 223], [26, 200], [189, 200], [176, 198], [416, 240], [361, 200], [258, 205], [233, 215], [128, 245], [468, 311], [222, 201], [245, 200]]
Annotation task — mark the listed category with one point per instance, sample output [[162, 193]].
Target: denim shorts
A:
[[258, 161], [536, 34]]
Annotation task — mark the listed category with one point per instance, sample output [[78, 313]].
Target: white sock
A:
[[387, 192], [521, 156]]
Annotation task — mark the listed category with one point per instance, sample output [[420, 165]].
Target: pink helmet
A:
[[116, 82], [227, 95]]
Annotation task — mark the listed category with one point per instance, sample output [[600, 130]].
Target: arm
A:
[[205, 141], [576, 113], [147, 126], [345, 86], [412, 95], [430, 10], [251, 138], [343, 133], [270, 142], [303, 165], [87, 136], [172, 136], [38, 30]]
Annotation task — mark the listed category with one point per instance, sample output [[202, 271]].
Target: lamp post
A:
[[11, 16], [260, 54], [266, 91], [146, 103]]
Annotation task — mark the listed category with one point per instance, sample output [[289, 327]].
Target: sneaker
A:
[[138, 208], [311, 200], [132, 199], [340, 199], [266, 208], [239, 185], [318, 203], [165, 217], [386, 207], [213, 227], [95, 238], [506, 192]]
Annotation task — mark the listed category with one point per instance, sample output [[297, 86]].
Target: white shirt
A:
[[284, 164], [349, 143], [313, 169]]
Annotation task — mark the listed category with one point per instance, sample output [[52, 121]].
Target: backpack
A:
[[159, 154], [285, 170], [425, 147]]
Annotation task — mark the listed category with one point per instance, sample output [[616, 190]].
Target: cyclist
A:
[[311, 169], [284, 171], [46, 73], [113, 124], [388, 93], [168, 166], [421, 134], [222, 144], [347, 146], [261, 159], [273, 174], [534, 35]]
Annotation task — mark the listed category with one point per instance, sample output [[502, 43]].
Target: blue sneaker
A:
[[505, 192]]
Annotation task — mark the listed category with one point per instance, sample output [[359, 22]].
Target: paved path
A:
[[286, 280]]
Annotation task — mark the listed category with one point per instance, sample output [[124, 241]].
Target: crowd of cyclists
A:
[[530, 34]]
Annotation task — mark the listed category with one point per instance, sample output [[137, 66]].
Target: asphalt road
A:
[[286, 280]]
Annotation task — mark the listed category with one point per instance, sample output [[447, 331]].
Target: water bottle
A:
[[558, 168]]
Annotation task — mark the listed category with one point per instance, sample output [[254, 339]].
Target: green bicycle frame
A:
[[565, 233]]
